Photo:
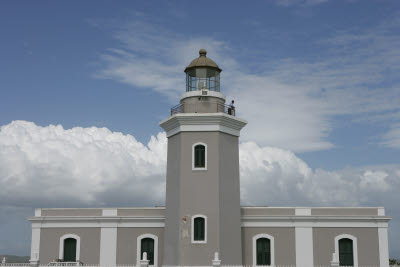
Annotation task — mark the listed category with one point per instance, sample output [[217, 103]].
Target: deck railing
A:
[[212, 108]]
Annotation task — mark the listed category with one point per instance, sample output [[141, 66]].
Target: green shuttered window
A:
[[200, 156], [70, 249], [346, 252], [263, 251], [147, 245], [199, 229]]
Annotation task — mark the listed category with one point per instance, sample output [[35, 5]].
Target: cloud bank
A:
[[94, 167]]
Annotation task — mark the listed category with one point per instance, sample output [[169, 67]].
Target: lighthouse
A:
[[202, 185]]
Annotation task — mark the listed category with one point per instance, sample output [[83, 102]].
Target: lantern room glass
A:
[[202, 78]]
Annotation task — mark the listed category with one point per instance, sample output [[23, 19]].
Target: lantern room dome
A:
[[202, 61]]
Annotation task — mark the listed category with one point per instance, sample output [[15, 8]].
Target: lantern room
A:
[[202, 74]]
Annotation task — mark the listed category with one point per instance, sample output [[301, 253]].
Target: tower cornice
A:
[[202, 122]]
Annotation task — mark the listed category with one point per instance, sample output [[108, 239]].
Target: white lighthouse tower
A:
[[203, 189]]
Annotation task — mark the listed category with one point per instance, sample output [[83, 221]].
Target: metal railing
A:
[[212, 108]]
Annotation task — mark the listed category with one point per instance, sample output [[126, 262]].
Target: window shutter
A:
[[346, 252], [147, 245], [70, 249], [263, 248]]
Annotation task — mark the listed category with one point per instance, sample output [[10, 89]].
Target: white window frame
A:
[[139, 248], [205, 157], [205, 229], [78, 246], [272, 243], [355, 249]]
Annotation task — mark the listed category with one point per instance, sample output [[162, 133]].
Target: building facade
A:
[[203, 214]]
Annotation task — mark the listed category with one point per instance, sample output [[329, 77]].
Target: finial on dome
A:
[[203, 52]]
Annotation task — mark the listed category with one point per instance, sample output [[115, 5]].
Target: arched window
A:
[[346, 249], [199, 229], [199, 156], [69, 248], [147, 243], [263, 250], [346, 252]]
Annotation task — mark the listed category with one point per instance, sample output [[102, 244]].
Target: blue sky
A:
[[316, 79]]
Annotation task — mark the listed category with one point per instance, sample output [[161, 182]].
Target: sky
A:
[[84, 84]]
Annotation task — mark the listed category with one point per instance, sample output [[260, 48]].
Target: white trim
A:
[[247, 221], [109, 212], [35, 244], [205, 229], [381, 211], [38, 212], [139, 248], [383, 247], [199, 93], [272, 243], [315, 221], [108, 246], [303, 211], [202, 122], [355, 248], [78, 246], [205, 155], [304, 246]]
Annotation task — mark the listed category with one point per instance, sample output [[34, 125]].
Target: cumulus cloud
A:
[[90, 167], [41, 166], [353, 78]]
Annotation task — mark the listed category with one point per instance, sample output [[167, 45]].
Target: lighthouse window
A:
[[199, 229], [199, 156]]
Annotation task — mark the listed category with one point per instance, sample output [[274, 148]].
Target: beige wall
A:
[[158, 211], [248, 211], [285, 245], [72, 212], [345, 211], [127, 244], [367, 242], [50, 243]]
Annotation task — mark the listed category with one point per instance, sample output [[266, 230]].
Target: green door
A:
[[346, 252], [147, 245], [263, 251], [69, 249]]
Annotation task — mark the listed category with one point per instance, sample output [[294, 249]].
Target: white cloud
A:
[[94, 166], [80, 166], [392, 137], [83, 167], [293, 102]]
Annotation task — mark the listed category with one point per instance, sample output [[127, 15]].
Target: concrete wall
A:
[[71, 212], [345, 211], [367, 242], [213, 192], [199, 193], [156, 211], [90, 244], [229, 200], [127, 244], [267, 211]]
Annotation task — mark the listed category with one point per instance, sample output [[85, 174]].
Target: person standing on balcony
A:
[[231, 108]]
